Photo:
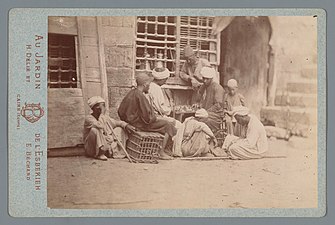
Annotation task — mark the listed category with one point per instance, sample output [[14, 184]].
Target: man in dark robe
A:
[[136, 110], [212, 95]]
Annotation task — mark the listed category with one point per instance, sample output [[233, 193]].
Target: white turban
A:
[[232, 83], [201, 113], [207, 72], [240, 110], [95, 100], [160, 73]]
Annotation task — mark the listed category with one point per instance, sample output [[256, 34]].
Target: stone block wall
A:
[[294, 39], [119, 45], [67, 107], [90, 70], [65, 117]]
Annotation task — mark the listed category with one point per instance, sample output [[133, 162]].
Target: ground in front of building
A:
[[289, 182]]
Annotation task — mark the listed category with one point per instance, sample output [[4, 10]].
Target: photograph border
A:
[[19, 20], [3, 172]]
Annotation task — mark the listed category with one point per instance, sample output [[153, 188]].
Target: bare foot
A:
[[208, 155], [104, 148], [162, 155], [102, 157]]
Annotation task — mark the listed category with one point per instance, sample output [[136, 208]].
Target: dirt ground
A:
[[289, 182]]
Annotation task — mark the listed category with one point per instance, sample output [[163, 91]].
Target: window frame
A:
[[76, 55], [178, 61]]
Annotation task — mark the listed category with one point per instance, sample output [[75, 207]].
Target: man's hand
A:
[[215, 141], [130, 129], [195, 84], [230, 113]]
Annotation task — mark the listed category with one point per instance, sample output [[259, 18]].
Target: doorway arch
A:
[[246, 57]]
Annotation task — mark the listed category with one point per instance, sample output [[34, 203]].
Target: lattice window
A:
[[196, 32], [165, 37], [62, 61], [156, 38]]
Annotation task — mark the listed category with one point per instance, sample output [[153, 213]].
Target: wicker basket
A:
[[144, 146]]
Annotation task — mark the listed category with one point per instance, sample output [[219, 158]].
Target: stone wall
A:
[[294, 40], [65, 117], [67, 107], [119, 45], [267, 55], [89, 65], [293, 104]]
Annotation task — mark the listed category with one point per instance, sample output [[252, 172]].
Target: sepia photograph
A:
[[182, 112]]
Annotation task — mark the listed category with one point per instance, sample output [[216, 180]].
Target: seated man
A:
[[136, 110], [156, 96], [194, 138], [213, 100], [190, 72], [255, 143], [98, 137]]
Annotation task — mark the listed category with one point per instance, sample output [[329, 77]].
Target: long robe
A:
[[192, 139], [234, 127], [98, 133], [251, 147], [158, 100], [136, 110], [213, 103]]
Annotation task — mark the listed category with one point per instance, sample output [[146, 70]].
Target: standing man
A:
[[136, 110], [211, 99], [190, 71], [99, 141]]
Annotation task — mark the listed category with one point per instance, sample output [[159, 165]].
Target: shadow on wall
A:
[[245, 56]]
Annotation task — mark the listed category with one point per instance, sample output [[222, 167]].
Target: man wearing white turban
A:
[[156, 95], [254, 144], [98, 138], [194, 138], [211, 99], [161, 99]]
